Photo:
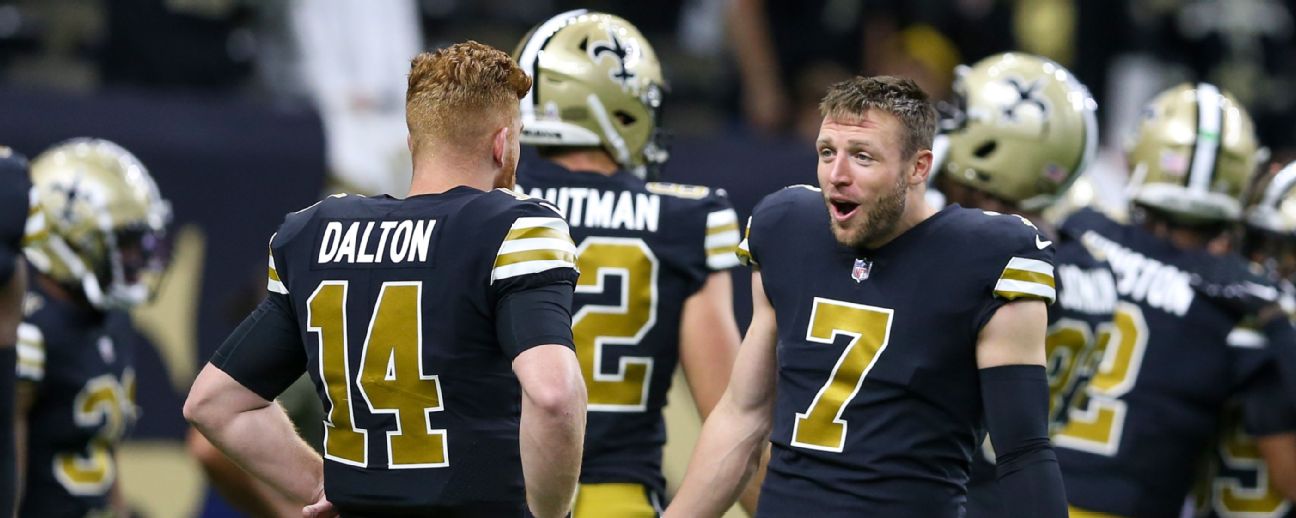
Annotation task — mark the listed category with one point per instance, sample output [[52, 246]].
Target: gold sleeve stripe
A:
[[534, 245], [31, 352], [536, 233], [1028, 276], [729, 227]]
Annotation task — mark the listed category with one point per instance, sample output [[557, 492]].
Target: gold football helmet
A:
[[1027, 129], [106, 219], [1269, 233], [1192, 155], [596, 83]]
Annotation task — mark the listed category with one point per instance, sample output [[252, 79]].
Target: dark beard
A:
[[883, 217]]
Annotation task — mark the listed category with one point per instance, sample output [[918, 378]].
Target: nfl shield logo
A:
[[861, 269]]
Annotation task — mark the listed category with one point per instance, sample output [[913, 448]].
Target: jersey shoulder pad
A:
[[711, 209], [1022, 256], [1087, 219], [536, 238], [770, 212], [295, 222]]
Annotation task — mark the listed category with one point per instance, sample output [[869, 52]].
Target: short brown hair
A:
[[900, 97], [462, 92]]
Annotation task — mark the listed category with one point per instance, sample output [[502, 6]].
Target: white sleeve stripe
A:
[[1246, 339], [277, 287], [722, 261], [1031, 265], [730, 238], [528, 267], [30, 333], [525, 245], [721, 218], [530, 222], [31, 372], [1033, 288], [30, 353]]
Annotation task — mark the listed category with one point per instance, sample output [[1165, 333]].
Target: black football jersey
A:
[[1079, 324], [878, 407], [644, 248], [85, 391], [1238, 484], [1135, 438], [396, 304], [20, 221]]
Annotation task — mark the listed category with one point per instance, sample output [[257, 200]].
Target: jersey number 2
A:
[[1097, 421], [821, 427], [390, 379], [594, 327]]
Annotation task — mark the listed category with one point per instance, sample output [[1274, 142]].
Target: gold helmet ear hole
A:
[[624, 118]]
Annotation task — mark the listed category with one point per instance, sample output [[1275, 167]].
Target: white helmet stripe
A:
[[1209, 119], [1280, 186], [531, 54]]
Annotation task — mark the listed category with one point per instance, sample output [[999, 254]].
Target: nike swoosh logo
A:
[[1040, 243]]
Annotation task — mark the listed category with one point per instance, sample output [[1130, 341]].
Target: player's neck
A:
[[916, 211], [435, 175], [586, 161]]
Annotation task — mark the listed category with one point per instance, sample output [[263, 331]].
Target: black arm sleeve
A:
[[8, 457], [535, 316], [1015, 398], [1281, 338], [265, 353], [1266, 408]]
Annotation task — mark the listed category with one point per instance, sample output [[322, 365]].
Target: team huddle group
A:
[[937, 329]]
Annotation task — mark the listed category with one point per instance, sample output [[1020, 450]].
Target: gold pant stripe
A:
[[613, 501], [1081, 513]]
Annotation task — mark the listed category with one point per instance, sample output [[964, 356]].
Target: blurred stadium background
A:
[[245, 110]]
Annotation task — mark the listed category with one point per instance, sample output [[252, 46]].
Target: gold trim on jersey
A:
[[625, 500], [1076, 512], [534, 245], [31, 352], [743, 251], [1028, 279], [722, 239], [273, 283]]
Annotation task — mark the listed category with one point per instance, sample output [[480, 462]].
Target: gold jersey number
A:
[[390, 379], [106, 403], [630, 263], [1231, 496], [1097, 420], [822, 427]]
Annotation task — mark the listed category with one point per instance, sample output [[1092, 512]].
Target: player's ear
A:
[[922, 167], [500, 146]]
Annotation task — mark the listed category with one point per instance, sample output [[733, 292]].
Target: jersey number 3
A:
[[390, 380], [821, 427]]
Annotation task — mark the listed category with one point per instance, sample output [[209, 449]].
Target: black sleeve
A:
[[8, 467], [1015, 398], [536, 315], [1280, 336], [265, 353], [1266, 408], [15, 192]]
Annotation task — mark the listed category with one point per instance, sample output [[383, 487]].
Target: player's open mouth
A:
[[842, 209]]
